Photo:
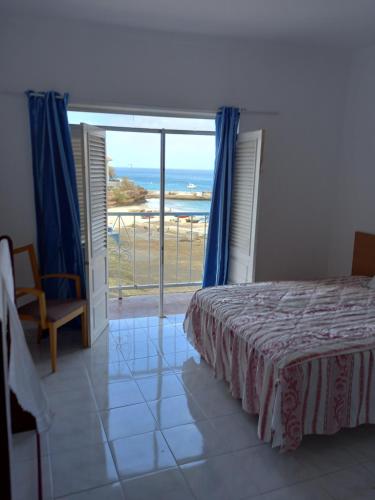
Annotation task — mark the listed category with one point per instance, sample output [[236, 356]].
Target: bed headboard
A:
[[363, 255]]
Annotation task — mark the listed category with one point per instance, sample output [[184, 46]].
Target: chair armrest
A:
[[21, 292], [73, 277], [29, 291]]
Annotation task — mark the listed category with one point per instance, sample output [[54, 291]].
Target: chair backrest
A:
[[29, 249]]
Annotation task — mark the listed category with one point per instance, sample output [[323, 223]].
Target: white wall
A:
[[109, 65], [354, 196]]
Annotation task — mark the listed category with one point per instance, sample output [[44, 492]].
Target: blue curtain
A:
[[217, 251], [56, 199]]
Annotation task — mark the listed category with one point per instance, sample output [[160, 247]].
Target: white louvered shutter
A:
[[244, 207], [89, 148], [77, 143], [97, 170]]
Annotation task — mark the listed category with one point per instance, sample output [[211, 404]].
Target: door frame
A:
[[163, 133]]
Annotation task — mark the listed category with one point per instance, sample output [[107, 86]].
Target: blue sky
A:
[[142, 150]]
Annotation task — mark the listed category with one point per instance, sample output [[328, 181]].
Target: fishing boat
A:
[[193, 220], [191, 185]]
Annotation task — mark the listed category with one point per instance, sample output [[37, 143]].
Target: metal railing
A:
[[133, 249]]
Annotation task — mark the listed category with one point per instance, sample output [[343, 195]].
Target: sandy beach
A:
[[143, 214], [134, 246], [144, 218], [182, 195]]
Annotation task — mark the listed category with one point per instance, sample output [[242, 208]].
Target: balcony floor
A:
[[148, 305]]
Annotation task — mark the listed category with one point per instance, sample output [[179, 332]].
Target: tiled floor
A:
[[139, 416], [148, 305]]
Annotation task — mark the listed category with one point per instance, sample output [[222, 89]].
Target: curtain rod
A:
[[144, 109], [42, 94], [19, 94]]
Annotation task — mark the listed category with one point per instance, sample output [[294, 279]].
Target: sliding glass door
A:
[[189, 159], [133, 214], [159, 190]]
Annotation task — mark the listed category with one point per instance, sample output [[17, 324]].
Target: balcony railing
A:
[[133, 244]]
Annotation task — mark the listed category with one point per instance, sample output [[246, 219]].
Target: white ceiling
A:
[[342, 23]]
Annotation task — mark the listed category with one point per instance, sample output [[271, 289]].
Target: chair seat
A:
[[56, 309]]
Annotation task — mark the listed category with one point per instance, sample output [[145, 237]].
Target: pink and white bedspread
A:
[[298, 354]]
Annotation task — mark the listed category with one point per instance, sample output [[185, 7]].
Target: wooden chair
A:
[[51, 314]]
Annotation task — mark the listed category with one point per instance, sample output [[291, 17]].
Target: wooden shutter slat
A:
[[244, 205], [77, 145], [98, 190]]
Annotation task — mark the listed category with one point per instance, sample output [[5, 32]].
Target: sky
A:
[[142, 150]]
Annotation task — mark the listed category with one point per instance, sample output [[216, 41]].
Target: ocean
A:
[[175, 180]]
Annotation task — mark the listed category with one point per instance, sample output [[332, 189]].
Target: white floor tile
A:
[[74, 431], [269, 469], [184, 361], [109, 373], [72, 402], [61, 381], [98, 395], [165, 485], [173, 344], [112, 491], [240, 430], [76, 471], [103, 354], [164, 386], [148, 367], [200, 378], [353, 483], [216, 401], [143, 454], [140, 322], [24, 446], [192, 442], [325, 453], [117, 324], [176, 318], [103, 338], [177, 410], [309, 490], [219, 478], [360, 441], [166, 331], [138, 349], [128, 421], [130, 336], [25, 480], [65, 363], [116, 395]]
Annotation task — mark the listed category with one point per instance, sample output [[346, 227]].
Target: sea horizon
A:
[[175, 180]]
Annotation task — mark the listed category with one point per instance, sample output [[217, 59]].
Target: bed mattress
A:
[[298, 354]]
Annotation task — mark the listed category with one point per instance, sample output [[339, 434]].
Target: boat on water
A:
[[193, 220], [191, 185]]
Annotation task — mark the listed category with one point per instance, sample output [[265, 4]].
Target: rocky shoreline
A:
[[181, 195]]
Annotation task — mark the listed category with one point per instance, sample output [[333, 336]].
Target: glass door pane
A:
[[189, 160], [133, 215]]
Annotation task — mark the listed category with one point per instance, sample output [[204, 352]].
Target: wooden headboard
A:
[[363, 255]]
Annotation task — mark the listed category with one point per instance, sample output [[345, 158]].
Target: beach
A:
[[146, 210], [134, 232], [134, 241], [181, 195], [144, 217]]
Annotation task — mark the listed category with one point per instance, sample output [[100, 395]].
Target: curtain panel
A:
[[56, 199], [217, 249]]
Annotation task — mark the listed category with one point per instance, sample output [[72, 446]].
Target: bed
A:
[[300, 354]]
